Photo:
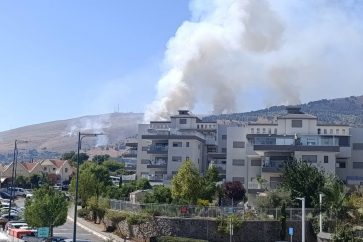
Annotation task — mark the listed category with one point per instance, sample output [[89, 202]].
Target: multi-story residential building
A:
[[258, 150], [164, 145], [250, 152]]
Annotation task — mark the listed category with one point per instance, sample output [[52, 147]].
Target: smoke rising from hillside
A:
[[284, 49]]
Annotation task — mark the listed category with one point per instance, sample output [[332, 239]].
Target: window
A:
[[238, 144], [183, 121], [145, 161], [224, 150], [331, 131], [340, 164], [187, 158], [358, 165], [252, 130], [258, 130], [269, 130], [176, 159], [224, 137], [344, 141], [296, 123], [326, 159], [275, 131], [238, 162], [53, 169], [337, 131], [309, 158], [357, 146], [325, 131], [145, 148], [255, 162], [240, 179], [177, 144], [264, 130], [66, 169], [187, 144], [44, 168], [343, 131]]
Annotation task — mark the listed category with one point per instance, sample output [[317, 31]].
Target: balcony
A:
[[293, 148], [273, 167], [157, 165], [130, 153], [254, 186], [157, 149]]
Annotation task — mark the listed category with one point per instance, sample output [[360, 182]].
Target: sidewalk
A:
[[94, 228]]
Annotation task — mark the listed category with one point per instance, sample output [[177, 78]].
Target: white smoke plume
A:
[[286, 49]]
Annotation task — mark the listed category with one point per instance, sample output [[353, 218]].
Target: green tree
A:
[[34, 180], [47, 208], [142, 184], [72, 157], [116, 168], [100, 158], [275, 198], [186, 184], [212, 175], [160, 194], [303, 180], [22, 181], [93, 181]]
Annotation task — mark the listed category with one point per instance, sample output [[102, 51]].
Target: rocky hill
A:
[[48, 140], [347, 110]]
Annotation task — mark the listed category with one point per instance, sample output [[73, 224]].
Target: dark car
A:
[[6, 195]]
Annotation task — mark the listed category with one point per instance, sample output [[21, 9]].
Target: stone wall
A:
[[251, 231]]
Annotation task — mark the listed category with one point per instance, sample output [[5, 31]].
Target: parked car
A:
[[17, 191], [6, 195]]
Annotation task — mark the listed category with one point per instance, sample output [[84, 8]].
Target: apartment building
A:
[[164, 145], [258, 150], [249, 152]]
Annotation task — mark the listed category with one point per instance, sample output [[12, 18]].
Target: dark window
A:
[[224, 150], [341, 164], [187, 158], [187, 144], [66, 170], [183, 121], [176, 159], [309, 158], [326, 159], [357, 146], [296, 123], [177, 144], [240, 179], [145, 161], [344, 141], [238, 144], [255, 162], [238, 162], [358, 165], [224, 137]]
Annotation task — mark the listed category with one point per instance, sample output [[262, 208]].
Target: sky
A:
[[70, 58], [65, 59]]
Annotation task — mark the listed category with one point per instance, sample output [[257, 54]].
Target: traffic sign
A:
[[291, 231], [43, 232]]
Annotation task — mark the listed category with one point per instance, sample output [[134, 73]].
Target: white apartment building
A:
[[164, 145], [248, 151], [259, 149]]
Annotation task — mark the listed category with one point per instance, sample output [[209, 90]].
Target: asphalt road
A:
[[66, 230]]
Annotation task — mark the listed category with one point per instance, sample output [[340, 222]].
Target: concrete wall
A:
[[251, 231]]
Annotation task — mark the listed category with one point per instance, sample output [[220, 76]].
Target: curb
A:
[[105, 238]]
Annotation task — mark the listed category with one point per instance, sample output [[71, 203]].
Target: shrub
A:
[[84, 213]]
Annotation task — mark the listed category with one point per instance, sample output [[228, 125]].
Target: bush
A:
[[176, 239], [84, 213], [137, 218]]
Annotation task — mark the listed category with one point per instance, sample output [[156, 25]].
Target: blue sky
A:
[[64, 59]]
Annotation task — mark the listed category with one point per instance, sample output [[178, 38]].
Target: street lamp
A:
[[302, 199], [80, 138], [320, 215], [13, 174]]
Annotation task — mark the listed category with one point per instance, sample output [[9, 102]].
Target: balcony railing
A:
[[157, 165], [254, 185], [273, 166], [154, 149]]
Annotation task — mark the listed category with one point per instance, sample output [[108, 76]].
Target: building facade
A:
[[249, 152]]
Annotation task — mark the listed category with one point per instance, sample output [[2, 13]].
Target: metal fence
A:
[[190, 211]]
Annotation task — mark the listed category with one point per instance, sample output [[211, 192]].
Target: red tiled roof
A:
[[29, 165], [58, 163]]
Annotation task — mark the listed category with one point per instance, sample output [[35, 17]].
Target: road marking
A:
[[78, 234]]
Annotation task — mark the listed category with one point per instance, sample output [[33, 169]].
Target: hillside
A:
[[49, 140], [53, 138], [339, 111]]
